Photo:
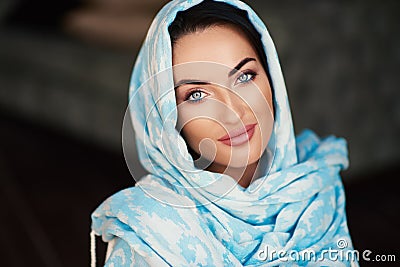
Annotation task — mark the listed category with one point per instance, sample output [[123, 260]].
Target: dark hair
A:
[[210, 13]]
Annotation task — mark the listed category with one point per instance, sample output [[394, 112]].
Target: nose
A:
[[234, 108]]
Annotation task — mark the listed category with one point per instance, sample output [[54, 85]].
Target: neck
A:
[[243, 175]]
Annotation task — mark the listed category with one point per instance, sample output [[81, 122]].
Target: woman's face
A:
[[223, 95]]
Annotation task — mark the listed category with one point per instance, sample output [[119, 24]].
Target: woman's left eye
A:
[[245, 77]]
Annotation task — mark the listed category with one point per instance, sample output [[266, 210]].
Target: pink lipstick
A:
[[239, 136]]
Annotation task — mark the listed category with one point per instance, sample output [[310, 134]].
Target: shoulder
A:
[[119, 253], [141, 208], [142, 224]]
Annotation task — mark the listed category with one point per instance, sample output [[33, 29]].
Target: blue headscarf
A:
[[180, 216]]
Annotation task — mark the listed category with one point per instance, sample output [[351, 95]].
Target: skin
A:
[[211, 102]]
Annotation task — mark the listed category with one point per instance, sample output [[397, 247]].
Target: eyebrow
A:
[[240, 64], [190, 81], [233, 71]]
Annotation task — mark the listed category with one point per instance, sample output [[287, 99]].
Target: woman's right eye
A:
[[196, 96]]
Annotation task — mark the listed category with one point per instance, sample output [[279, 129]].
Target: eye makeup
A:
[[195, 94], [245, 77]]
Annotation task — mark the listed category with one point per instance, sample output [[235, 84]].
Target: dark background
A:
[[64, 75]]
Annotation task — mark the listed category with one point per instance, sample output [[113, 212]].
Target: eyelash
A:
[[190, 93]]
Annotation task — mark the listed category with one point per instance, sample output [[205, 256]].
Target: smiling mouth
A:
[[239, 136]]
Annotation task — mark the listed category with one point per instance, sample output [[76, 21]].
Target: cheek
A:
[[259, 100], [262, 109], [195, 131], [264, 86], [262, 101]]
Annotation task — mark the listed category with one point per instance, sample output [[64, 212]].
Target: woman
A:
[[229, 184]]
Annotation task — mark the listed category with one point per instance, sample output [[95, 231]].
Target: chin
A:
[[237, 161]]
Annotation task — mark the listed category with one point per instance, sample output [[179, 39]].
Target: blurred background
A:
[[64, 75]]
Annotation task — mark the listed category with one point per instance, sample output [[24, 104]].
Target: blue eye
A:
[[246, 77], [196, 96]]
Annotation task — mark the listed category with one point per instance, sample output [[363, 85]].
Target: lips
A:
[[239, 136]]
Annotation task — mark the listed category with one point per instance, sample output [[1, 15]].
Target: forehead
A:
[[223, 44]]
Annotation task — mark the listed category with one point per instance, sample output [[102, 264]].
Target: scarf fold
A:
[[180, 216]]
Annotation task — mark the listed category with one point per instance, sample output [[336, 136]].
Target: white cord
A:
[[93, 249]]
